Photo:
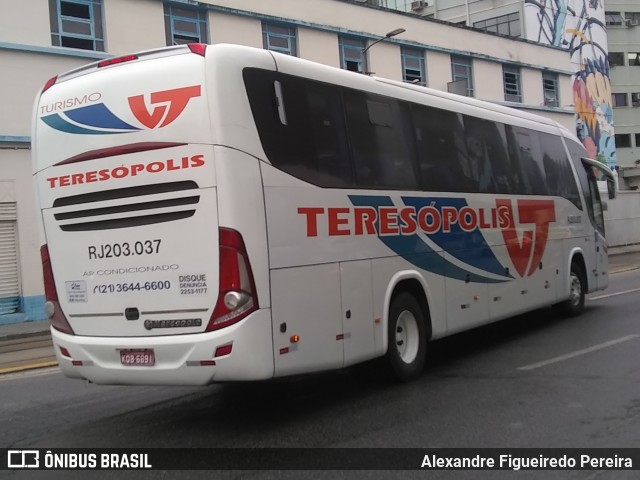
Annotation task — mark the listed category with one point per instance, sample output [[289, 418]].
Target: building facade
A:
[[64, 34], [579, 26], [623, 31]]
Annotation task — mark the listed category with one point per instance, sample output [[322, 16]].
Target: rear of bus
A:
[[149, 279]]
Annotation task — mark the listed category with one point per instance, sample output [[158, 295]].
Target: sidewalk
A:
[[27, 345], [24, 346]]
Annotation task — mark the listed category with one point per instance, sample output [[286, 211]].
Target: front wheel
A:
[[577, 290], [407, 342]]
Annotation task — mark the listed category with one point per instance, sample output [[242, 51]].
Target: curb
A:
[[18, 336], [624, 269], [623, 250], [32, 366]]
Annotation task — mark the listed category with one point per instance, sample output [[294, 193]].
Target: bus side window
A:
[[596, 209], [560, 178], [530, 159], [441, 150], [382, 154], [301, 126], [577, 152], [519, 186], [487, 155]]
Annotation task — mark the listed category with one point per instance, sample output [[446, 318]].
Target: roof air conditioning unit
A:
[[419, 5]]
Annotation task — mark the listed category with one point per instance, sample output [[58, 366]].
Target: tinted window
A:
[[577, 151], [559, 175], [306, 137], [380, 140], [530, 161], [518, 182], [442, 157], [595, 209], [487, 155]]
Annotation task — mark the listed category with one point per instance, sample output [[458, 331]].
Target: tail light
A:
[[117, 60], [52, 306], [197, 48], [237, 296], [50, 83]]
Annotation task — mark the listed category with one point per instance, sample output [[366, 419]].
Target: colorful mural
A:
[[579, 26]]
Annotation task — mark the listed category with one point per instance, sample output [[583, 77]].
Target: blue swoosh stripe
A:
[[57, 122], [468, 247], [414, 250], [98, 115]]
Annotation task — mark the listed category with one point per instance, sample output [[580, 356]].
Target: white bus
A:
[[222, 213]]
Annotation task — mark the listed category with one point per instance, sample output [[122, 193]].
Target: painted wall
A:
[[483, 70], [438, 70], [23, 75], [622, 219], [318, 46], [132, 34], [225, 28], [386, 61], [579, 26], [16, 186], [25, 22]]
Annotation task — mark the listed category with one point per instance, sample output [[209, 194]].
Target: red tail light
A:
[[237, 296], [198, 48], [50, 83], [52, 307], [117, 60]]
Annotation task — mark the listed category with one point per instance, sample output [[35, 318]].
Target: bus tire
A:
[[407, 341], [574, 305]]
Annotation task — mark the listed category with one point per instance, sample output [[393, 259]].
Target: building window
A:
[[351, 57], [616, 59], [511, 81], [462, 75], [77, 24], [619, 100], [550, 89], [613, 18], [632, 17], [279, 38], [505, 25], [634, 59], [413, 69], [623, 140], [185, 25], [637, 135], [635, 99]]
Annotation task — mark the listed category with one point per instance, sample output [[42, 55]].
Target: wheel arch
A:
[[577, 255], [411, 282]]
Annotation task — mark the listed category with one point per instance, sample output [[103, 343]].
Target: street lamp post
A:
[[390, 34]]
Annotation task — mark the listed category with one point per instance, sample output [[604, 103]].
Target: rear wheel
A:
[[577, 290], [407, 343]]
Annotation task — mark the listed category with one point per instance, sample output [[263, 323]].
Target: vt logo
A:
[[98, 119], [172, 103], [526, 253]]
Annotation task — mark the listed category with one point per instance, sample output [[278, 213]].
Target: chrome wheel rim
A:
[[407, 337]]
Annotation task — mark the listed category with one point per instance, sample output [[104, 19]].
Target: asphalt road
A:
[[532, 381]]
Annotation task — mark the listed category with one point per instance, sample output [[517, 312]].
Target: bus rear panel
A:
[[144, 283]]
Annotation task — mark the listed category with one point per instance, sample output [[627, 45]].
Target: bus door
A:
[[595, 208]]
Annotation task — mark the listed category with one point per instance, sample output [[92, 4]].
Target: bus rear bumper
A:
[[244, 353]]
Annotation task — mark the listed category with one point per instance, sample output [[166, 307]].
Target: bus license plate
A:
[[139, 357]]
